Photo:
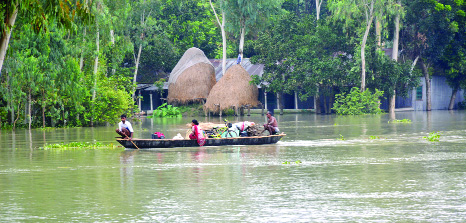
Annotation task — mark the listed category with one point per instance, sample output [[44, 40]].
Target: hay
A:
[[192, 78], [233, 90]]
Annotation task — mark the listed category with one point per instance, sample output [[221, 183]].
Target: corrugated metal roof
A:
[[252, 69], [154, 88]]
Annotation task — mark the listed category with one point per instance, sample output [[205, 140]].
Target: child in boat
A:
[[197, 133]]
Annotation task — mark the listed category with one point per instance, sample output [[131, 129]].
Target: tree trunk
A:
[[363, 47], [317, 102], [224, 37], [318, 4], [96, 66], [378, 31], [241, 43], [43, 116], [5, 39], [29, 109], [224, 45], [280, 101], [396, 38], [413, 65], [325, 105], [391, 103], [425, 71], [453, 98], [113, 46], [136, 69], [12, 114], [330, 102], [81, 60], [17, 116]]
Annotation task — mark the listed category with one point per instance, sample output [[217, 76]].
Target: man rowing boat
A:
[[271, 125], [124, 128]]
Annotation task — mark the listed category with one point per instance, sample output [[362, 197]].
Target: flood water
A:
[[327, 169]]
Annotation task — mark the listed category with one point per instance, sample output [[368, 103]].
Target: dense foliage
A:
[[166, 110], [77, 63], [357, 102]]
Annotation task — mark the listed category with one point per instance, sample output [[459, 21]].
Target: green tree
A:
[[361, 12], [39, 13], [428, 29], [453, 60], [246, 15]]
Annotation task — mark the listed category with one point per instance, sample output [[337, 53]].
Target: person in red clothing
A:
[[197, 133]]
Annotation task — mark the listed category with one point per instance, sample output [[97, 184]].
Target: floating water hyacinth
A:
[[296, 162], [78, 146], [400, 121], [433, 137]]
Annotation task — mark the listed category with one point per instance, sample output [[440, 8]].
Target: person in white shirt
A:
[[124, 128]]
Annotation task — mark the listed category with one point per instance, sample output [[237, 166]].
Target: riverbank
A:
[[197, 110]]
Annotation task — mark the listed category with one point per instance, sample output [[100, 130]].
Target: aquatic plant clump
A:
[[357, 102], [78, 146], [166, 110], [296, 162], [433, 137], [400, 121]]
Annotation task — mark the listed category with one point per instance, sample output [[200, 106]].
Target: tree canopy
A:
[[70, 62]]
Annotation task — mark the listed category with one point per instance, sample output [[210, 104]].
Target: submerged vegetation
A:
[[295, 162], [78, 146], [433, 137], [341, 137], [400, 121]]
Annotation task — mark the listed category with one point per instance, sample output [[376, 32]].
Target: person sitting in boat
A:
[[271, 125], [242, 126], [197, 133], [124, 128]]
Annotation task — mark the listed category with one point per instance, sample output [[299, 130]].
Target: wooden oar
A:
[[131, 141], [134, 144]]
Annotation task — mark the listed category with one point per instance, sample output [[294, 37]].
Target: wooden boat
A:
[[169, 143]]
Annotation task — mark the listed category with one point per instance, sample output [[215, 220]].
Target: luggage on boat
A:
[[158, 135]]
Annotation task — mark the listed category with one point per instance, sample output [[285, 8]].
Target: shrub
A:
[[166, 110], [357, 102]]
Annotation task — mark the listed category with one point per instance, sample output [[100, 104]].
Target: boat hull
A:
[[169, 143]]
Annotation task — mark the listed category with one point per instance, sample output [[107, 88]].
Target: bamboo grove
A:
[[77, 63]]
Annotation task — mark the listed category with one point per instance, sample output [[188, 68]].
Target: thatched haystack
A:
[[233, 90], [192, 78]]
